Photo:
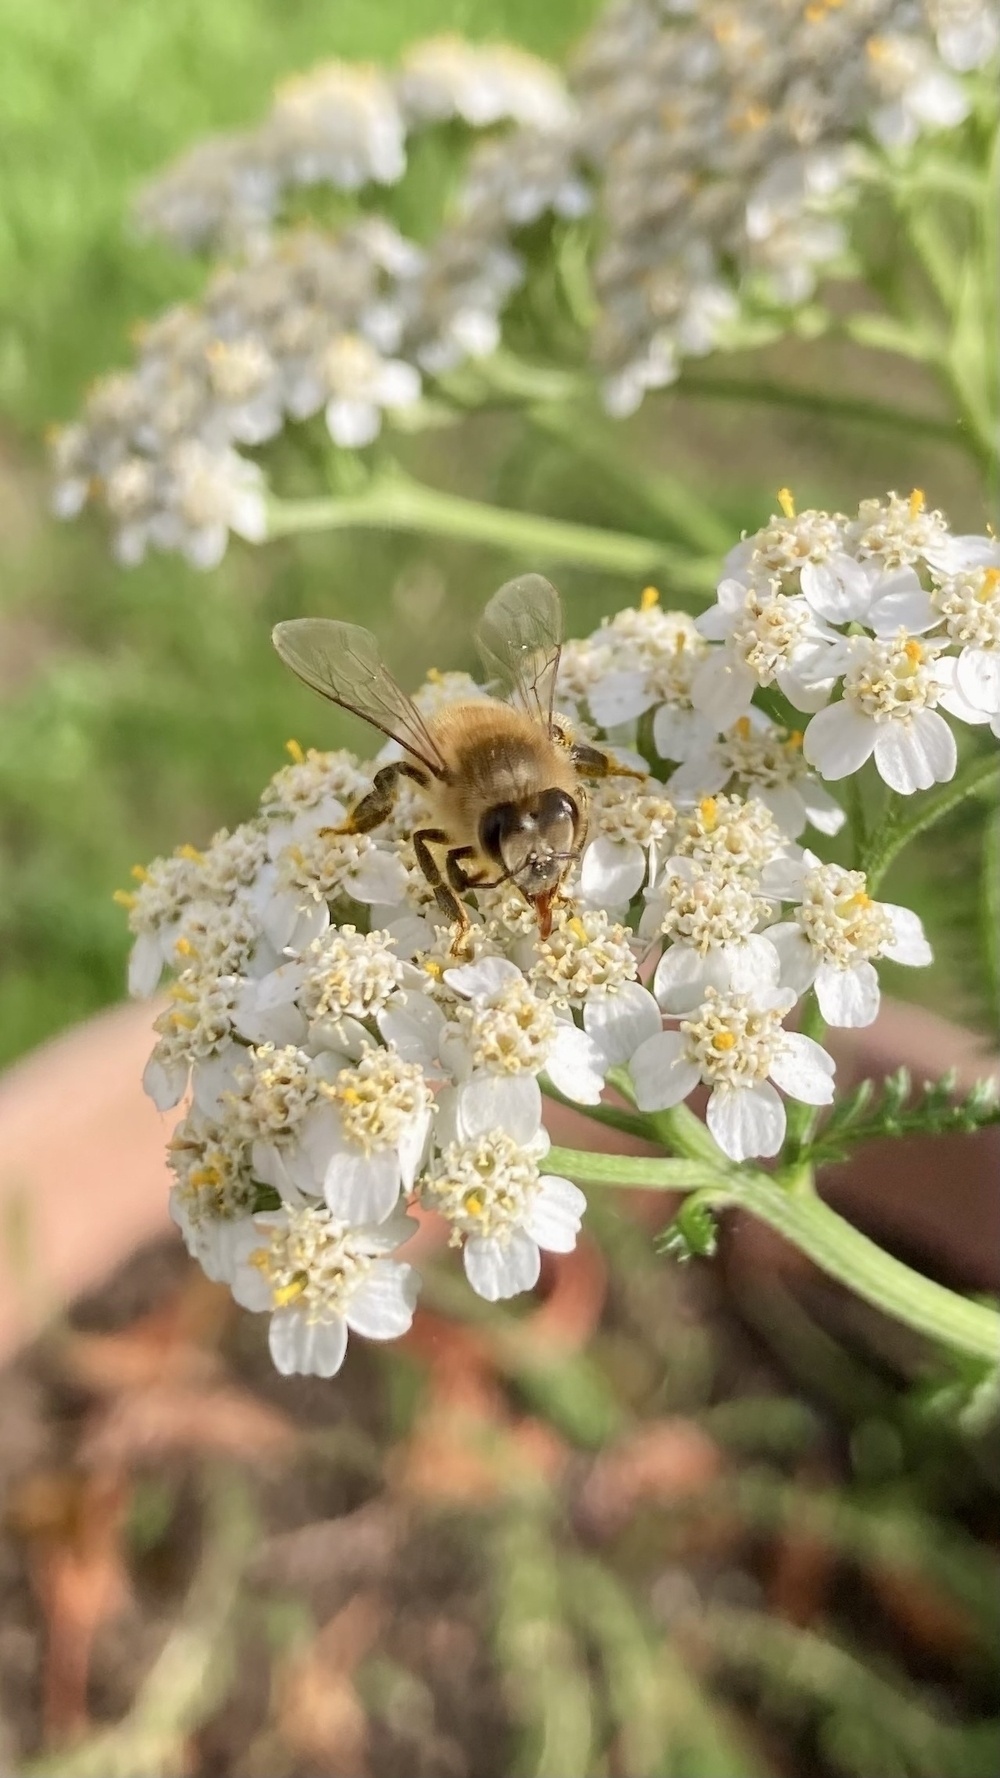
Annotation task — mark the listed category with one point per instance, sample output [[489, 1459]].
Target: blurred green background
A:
[[144, 707]]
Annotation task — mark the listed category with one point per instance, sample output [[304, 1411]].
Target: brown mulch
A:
[[206, 1569]]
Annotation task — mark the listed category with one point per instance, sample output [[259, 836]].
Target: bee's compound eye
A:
[[494, 827], [555, 807]]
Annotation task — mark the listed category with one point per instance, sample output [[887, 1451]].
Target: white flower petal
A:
[[488, 1102], [353, 424], [679, 733], [837, 588], [795, 955], [382, 1306], [753, 965], [265, 1010], [363, 1188], [978, 677], [914, 755], [661, 1074], [786, 805], [611, 871], [900, 602], [415, 1028], [165, 1086], [746, 1121], [838, 740], [848, 998], [380, 876], [498, 1269], [556, 1214], [782, 879], [412, 1146], [620, 1022], [480, 981], [952, 697], [909, 940], [145, 966], [574, 1066], [399, 384], [804, 690], [292, 924], [703, 774], [722, 689], [822, 809], [804, 1070], [249, 1285], [683, 975], [269, 1167], [320, 1137], [300, 1347], [619, 697]]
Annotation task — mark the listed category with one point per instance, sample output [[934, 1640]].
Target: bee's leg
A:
[[374, 808], [590, 762], [460, 878], [445, 897]]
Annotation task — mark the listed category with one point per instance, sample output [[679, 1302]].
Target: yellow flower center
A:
[[290, 1292]]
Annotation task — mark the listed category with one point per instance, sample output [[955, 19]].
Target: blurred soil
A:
[[597, 1534]]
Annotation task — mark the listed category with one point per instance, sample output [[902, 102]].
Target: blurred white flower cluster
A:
[[720, 146], [342, 325], [725, 141], [346, 1057], [343, 124]]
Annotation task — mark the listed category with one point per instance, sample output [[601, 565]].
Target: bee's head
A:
[[532, 840]]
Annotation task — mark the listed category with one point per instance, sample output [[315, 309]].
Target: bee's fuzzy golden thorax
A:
[[495, 756]]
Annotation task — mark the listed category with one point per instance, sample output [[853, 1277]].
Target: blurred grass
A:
[[139, 708], [143, 708]]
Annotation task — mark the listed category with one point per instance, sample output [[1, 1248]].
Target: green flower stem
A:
[[817, 401], [684, 512], [636, 1172], [630, 1123], [896, 831], [397, 503], [837, 1248]]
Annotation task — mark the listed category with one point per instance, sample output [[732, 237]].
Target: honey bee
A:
[[502, 775]]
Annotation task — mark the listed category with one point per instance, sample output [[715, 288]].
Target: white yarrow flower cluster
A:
[[875, 629], [347, 1056]]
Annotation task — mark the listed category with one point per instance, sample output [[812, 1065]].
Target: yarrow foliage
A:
[[345, 1056]]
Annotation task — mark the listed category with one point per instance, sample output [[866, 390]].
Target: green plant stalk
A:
[[397, 503], [853, 409], [686, 513], [895, 832], [837, 1248]]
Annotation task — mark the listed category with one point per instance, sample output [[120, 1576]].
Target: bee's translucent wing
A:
[[519, 639], [342, 662]]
